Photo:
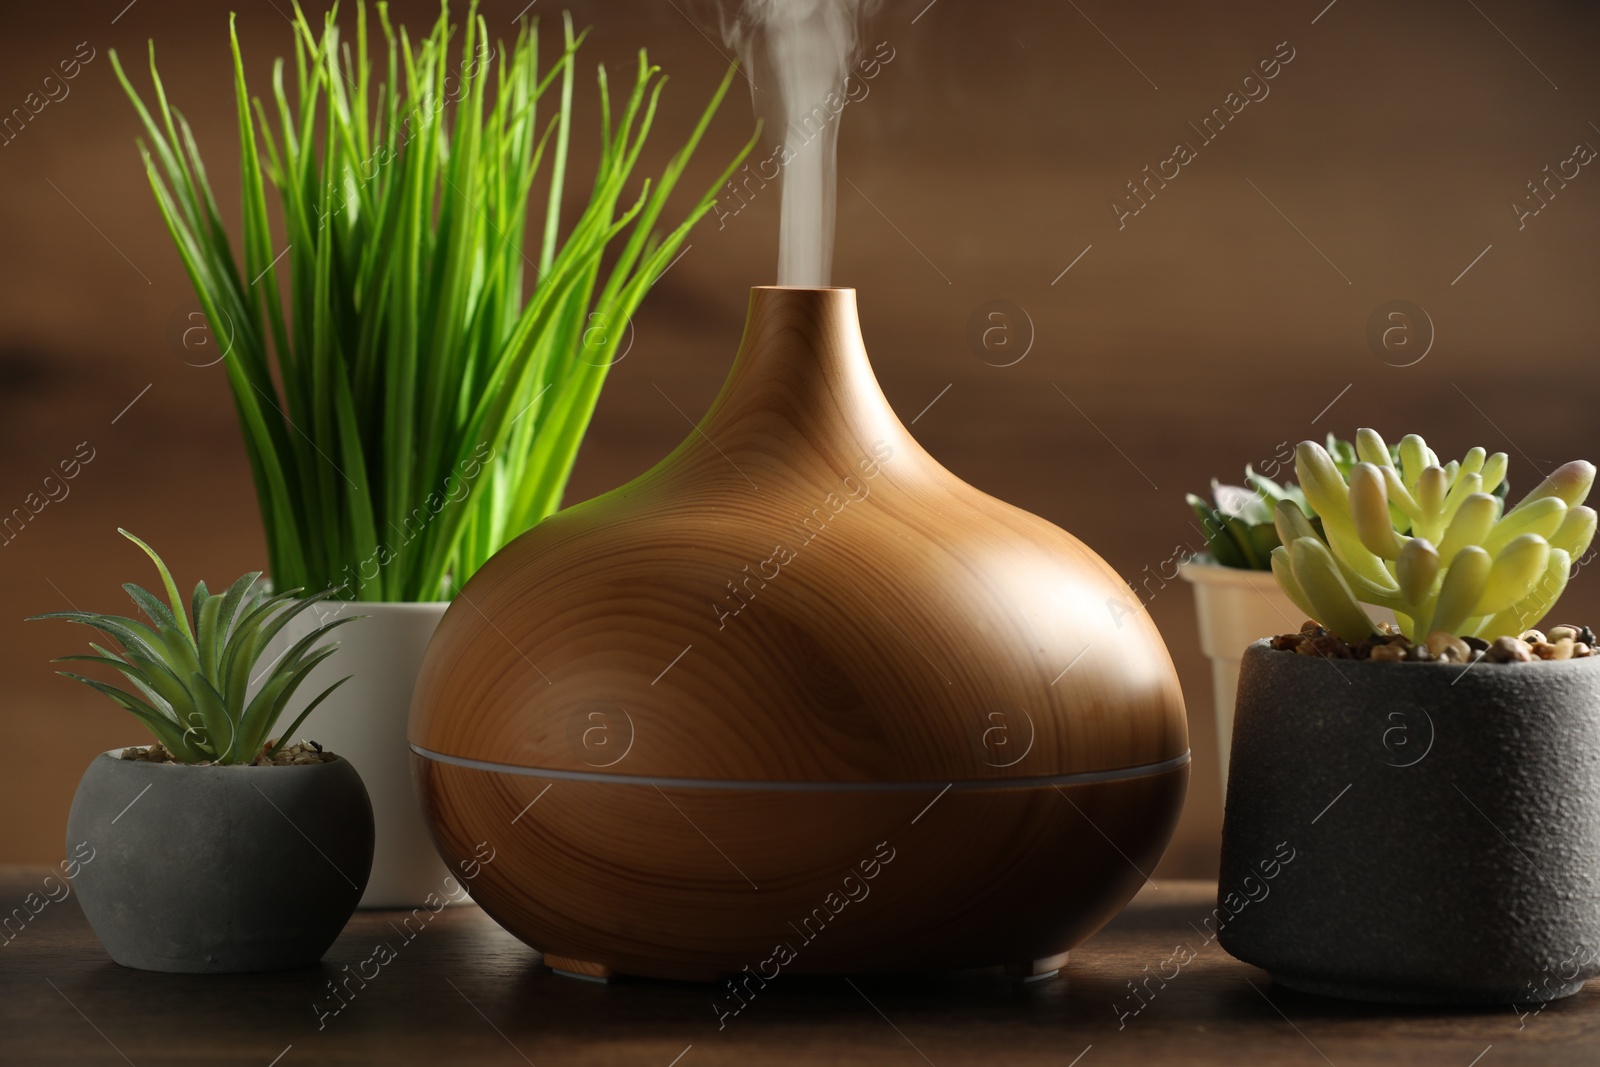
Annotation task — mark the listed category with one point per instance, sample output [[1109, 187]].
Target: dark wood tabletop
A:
[[463, 991]]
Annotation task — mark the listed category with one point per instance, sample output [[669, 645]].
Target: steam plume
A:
[[798, 53]]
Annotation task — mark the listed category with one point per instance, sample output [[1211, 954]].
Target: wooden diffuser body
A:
[[799, 700]]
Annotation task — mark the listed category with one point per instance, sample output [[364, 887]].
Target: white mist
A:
[[798, 53]]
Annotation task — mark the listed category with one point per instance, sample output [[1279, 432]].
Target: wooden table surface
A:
[[463, 991]]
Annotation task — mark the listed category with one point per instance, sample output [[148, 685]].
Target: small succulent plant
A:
[[1238, 522], [1429, 541], [193, 670]]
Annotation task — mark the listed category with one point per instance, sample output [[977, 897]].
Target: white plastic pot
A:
[[1236, 607], [365, 722]]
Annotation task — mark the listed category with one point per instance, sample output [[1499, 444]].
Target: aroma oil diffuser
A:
[[799, 700]]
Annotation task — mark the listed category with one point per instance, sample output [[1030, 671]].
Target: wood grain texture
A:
[[800, 593], [463, 991], [701, 884]]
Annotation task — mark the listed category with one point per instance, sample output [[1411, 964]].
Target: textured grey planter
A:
[[220, 869], [1443, 822]]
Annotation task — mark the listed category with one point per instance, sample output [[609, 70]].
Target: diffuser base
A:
[[1037, 970], [584, 970]]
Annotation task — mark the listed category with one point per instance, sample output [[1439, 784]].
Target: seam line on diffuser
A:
[[1077, 778]]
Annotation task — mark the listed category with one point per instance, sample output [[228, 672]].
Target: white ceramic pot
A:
[[1237, 607], [365, 722]]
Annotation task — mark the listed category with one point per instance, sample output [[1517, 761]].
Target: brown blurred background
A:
[[1223, 319]]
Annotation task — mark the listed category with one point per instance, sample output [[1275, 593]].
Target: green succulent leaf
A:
[[1291, 523], [1576, 531], [1515, 571], [1320, 480], [1219, 539], [132, 673], [1542, 516], [1283, 571], [164, 729], [234, 602], [1414, 456], [1240, 532], [1494, 473], [1432, 489], [1470, 525], [287, 736], [1461, 590], [1274, 493], [1400, 497], [181, 620], [1235, 501], [1263, 539], [1370, 447], [1417, 571], [1369, 512], [200, 595], [1527, 612], [1569, 483], [157, 612], [1335, 606]]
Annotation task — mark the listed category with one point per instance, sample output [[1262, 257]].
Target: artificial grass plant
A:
[[409, 400]]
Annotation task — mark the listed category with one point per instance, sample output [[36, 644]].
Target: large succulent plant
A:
[[194, 670], [1430, 541]]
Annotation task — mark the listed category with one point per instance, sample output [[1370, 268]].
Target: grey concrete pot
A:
[[1441, 825], [220, 869]]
